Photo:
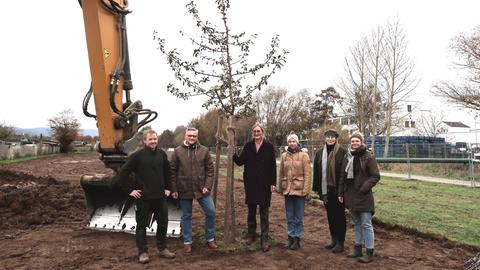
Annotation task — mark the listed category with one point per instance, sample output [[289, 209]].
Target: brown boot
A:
[[165, 253], [187, 249], [143, 257]]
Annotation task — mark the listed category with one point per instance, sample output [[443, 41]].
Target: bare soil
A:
[[42, 215]]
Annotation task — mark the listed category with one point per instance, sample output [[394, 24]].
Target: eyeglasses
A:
[[192, 136]]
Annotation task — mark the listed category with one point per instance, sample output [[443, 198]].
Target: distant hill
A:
[[46, 131]]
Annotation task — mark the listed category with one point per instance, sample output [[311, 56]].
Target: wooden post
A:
[[218, 149], [229, 225]]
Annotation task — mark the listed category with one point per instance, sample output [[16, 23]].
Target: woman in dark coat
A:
[[327, 168], [359, 175], [259, 178]]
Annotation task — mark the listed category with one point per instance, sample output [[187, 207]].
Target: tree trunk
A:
[[218, 149], [229, 225]]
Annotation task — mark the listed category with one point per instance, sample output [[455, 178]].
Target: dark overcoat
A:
[[357, 192], [260, 172]]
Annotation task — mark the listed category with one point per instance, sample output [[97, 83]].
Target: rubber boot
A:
[[333, 242], [290, 241], [357, 252], [296, 243], [339, 247], [367, 257]]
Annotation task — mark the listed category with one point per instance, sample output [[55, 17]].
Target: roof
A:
[[456, 124]]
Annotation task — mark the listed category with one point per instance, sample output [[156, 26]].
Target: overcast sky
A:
[[45, 66]]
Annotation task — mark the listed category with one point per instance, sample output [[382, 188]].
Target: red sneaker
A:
[[212, 245]]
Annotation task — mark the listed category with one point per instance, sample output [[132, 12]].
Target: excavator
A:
[[117, 117]]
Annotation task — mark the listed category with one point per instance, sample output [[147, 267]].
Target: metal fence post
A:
[[409, 175]]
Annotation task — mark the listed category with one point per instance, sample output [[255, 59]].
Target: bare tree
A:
[[282, 113], [6, 131], [467, 93], [65, 129], [218, 71], [430, 123], [398, 77], [355, 85], [375, 67]]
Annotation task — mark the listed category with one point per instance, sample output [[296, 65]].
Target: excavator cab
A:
[[117, 116]]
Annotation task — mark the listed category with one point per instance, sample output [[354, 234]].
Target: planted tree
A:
[[219, 69]]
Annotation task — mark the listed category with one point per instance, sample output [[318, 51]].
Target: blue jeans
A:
[[294, 206], [208, 208], [363, 229]]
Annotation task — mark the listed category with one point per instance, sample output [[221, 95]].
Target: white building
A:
[[413, 120]]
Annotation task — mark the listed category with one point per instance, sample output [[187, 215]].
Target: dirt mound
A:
[[27, 200]]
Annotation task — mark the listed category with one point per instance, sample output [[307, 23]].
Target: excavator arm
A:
[[117, 117]]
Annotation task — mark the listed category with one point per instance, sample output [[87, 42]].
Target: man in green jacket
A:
[[150, 190], [192, 178]]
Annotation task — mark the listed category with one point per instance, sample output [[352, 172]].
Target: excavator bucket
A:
[[110, 209]]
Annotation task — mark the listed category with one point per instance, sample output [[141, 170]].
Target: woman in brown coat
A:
[[294, 182], [359, 175]]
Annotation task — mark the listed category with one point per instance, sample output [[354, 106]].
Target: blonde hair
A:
[[148, 132], [257, 124]]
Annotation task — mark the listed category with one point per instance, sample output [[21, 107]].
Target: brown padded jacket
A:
[[192, 170], [295, 177]]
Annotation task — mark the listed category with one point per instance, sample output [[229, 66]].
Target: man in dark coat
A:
[[259, 178], [151, 187], [359, 175], [326, 177]]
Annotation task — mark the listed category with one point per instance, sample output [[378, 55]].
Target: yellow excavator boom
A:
[[117, 117]]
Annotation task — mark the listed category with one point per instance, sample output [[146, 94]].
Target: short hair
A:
[[148, 132], [257, 124], [191, 129]]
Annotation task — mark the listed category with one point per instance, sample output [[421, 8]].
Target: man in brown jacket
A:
[[192, 178]]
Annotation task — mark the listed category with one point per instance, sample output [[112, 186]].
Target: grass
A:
[[8, 161], [446, 210], [452, 171]]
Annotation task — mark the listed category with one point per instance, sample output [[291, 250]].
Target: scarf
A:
[[294, 150], [349, 167], [326, 161]]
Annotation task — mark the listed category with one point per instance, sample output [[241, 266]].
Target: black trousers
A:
[[143, 215], [337, 222], [252, 221]]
